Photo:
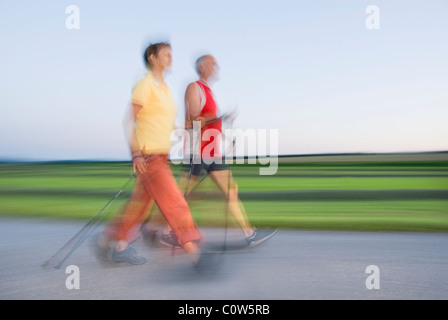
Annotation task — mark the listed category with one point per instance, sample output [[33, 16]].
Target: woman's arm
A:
[[138, 160]]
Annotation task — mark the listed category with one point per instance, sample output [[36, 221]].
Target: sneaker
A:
[[128, 255], [260, 236], [169, 239]]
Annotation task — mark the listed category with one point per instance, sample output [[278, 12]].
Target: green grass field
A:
[[352, 195]]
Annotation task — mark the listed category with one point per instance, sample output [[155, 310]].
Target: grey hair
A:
[[200, 61]]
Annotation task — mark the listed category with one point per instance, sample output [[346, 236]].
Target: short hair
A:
[[153, 49], [200, 61]]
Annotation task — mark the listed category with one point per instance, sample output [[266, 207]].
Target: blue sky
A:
[[310, 69]]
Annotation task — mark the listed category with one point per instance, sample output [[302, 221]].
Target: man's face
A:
[[210, 67]]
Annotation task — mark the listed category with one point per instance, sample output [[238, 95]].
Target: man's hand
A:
[[203, 121], [189, 123]]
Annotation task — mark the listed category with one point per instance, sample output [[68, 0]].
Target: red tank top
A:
[[210, 110]]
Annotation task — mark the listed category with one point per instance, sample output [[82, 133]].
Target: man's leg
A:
[[224, 180], [186, 184]]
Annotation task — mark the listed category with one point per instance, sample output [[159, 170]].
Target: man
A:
[[201, 106], [153, 114]]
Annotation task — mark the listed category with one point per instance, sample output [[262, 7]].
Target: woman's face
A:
[[163, 59]]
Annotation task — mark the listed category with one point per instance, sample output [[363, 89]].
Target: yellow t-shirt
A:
[[155, 120]]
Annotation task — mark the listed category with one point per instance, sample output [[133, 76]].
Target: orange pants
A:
[[157, 185]]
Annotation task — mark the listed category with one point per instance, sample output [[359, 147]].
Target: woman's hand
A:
[[139, 164]]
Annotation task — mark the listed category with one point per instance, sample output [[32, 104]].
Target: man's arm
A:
[[193, 106]]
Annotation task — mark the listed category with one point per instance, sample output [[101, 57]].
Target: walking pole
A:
[[84, 233], [188, 179], [196, 148], [228, 189]]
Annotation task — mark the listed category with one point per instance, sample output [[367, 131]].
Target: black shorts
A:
[[196, 169]]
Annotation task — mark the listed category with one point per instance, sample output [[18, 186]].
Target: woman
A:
[[153, 115]]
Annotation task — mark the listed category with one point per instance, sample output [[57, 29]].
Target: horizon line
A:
[[21, 160]]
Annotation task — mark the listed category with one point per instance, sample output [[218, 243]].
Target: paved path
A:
[[292, 265]]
